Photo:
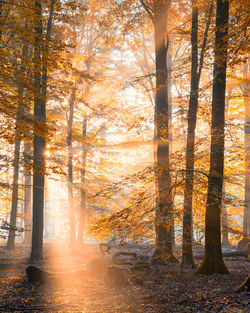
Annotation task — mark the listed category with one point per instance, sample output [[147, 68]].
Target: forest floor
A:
[[160, 290]]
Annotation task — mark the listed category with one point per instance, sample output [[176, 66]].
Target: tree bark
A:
[[83, 193], [14, 203], [224, 216], [27, 196], [213, 261], [164, 208], [16, 163], [224, 220], [246, 217], [187, 252], [2, 2], [169, 85], [70, 169], [38, 142]]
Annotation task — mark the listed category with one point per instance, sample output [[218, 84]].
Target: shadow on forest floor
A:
[[163, 289]]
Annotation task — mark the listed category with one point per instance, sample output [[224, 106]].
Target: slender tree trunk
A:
[[224, 216], [27, 195], [14, 204], [83, 193], [164, 210], [187, 251], [70, 169], [169, 85], [224, 219], [38, 142], [213, 261], [246, 217], [1, 18]]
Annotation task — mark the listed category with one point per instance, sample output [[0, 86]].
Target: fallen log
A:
[[228, 254], [131, 257]]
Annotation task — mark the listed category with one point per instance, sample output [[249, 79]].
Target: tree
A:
[[40, 88], [70, 167], [224, 215], [16, 163], [246, 217], [213, 261], [164, 206], [83, 213], [27, 194], [187, 254]]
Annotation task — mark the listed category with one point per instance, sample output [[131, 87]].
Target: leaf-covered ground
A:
[[160, 290]]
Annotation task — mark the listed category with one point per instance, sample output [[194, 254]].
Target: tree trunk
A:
[[224, 220], [1, 18], [70, 169], [213, 261], [246, 217], [169, 85], [164, 210], [14, 204], [39, 143], [27, 195], [83, 193], [187, 252], [224, 217]]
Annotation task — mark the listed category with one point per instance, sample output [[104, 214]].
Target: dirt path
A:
[[163, 290]]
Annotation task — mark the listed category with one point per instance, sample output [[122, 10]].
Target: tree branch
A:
[[147, 9], [204, 43]]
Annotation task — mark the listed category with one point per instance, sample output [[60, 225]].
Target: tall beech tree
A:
[[213, 260], [196, 68], [158, 14], [39, 140], [187, 255], [41, 51], [246, 217]]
